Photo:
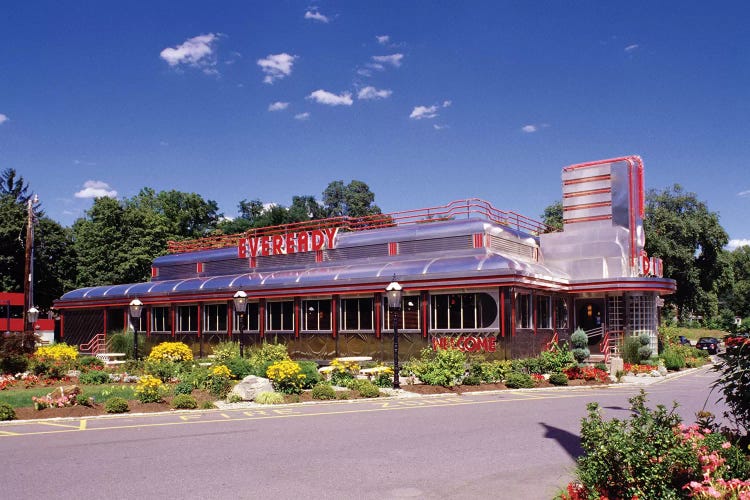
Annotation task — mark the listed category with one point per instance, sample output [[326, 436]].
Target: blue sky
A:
[[425, 101]]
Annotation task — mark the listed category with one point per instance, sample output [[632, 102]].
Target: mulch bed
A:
[[203, 396]]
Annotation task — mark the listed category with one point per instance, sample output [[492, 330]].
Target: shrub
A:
[[558, 379], [94, 377], [171, 351], [733, 368], [269, 398], [149, 389], [267, 354], [323, 391], [224, 351], [49, 369], [14, 364], [116, 405], [123, 342], [286, 377], [527, 365], [444, 367], [7, 412], [184, 387], [234, 398], [516, 380], [557, 358], [219, 381], [652, 455], [310, 370], [343, 372], [365, 388], [580, 342], [57, 352], [90, 363], [630, 350], [184, 402], [208, 405], [164, 370], [586, 373], [495, 371], [673, 359], [240, 367]]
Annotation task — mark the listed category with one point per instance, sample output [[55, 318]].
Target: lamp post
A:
[[240, 307], [393, 292], [136, 308]]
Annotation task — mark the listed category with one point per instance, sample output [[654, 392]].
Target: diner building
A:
[[474, 278]]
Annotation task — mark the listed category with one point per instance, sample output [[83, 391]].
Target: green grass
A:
[[21, 397], [695, 333]]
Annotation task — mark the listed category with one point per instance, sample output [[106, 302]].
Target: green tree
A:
[[737, 299], [689, 238], [14, 186], [553, 215], [12, 243], [354, 199]]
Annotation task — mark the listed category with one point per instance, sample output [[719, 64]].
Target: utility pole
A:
[[28, 281]]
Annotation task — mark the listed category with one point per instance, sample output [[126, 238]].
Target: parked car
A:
[[709, 344], [683, 340], [736, 339]]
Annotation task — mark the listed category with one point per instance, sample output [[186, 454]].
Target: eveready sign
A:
[[282, 244]]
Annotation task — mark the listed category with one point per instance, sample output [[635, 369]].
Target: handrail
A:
[[552, 344], [96, 345], [604, 347], [599, 330], [450, 211]]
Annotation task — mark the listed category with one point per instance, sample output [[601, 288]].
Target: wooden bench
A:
[[110, 358]]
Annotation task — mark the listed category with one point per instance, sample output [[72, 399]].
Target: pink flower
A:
[[726, 445]]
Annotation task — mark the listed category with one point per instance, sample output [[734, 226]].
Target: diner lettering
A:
[[465, 343], [288, 243]]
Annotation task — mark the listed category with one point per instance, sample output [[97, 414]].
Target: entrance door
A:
[[590, 318]]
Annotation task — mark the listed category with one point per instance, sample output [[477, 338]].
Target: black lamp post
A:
[[240, 307], [393, 291], [136, 308]]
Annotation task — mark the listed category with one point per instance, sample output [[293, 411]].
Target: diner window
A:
[[543, 311], [524, 318], [464, 311], [409, 317], [356, 314], [215, 317], [561, 313], [317, 315], [161, 320], [251, 321], [280, 316], [187, 319]]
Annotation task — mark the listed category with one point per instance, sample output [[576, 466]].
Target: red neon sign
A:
[[283, 244], [465, 344]]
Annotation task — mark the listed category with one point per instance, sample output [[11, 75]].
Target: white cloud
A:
[[373, 93], [96, 189], [393, 59], [735, 244], [324, 97], [276, 66], [529, 129], [741, 193], [3, 118], [316, 16], [420, 112], [631, 48], [278, 106], [197, 52], [439, 127], [302, 116], [383, 39], [82, 162]]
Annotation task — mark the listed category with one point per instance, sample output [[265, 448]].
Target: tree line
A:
[[116, 240]]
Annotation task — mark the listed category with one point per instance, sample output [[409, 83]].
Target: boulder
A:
[[250, 386]]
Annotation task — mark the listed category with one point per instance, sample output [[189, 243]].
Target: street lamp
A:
[[136, 308], [32, 315], [393, 292], [240, 307]]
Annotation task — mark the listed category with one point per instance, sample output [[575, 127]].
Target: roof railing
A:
[[459, 209]]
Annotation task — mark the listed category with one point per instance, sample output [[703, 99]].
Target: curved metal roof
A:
[[466, 264]]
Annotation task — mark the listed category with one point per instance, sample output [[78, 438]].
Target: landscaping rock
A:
[[251, 386]]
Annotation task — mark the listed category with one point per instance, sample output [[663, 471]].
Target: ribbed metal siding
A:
[[461, 242], [362, 252], [512, 247], [292, 259], [225, 267], [176, 271]]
